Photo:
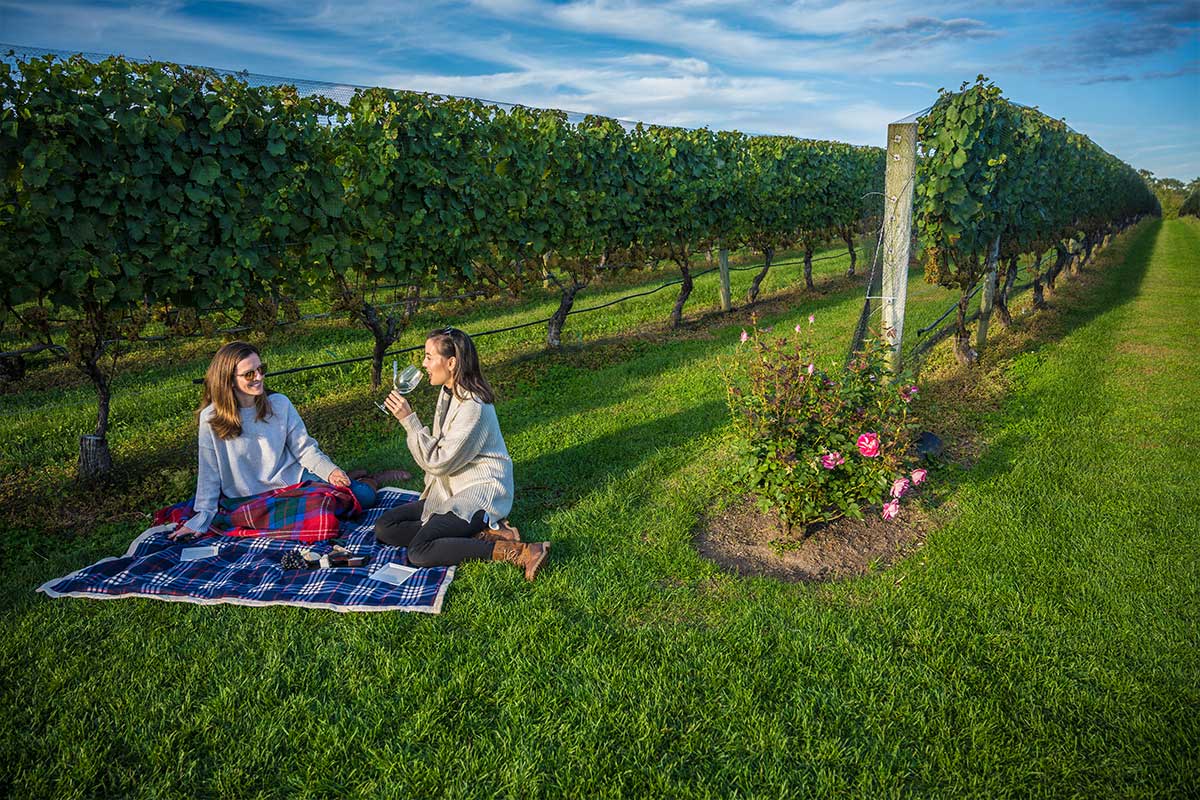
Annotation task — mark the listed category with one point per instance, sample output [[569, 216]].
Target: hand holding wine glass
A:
[[397, 405]]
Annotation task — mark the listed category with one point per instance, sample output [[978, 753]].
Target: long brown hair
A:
[[467, 375], [226, 420]]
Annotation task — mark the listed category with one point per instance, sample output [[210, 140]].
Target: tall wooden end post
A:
[[899, 186], [987, 300]]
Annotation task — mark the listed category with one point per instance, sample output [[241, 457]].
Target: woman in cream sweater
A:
[[462, 513]]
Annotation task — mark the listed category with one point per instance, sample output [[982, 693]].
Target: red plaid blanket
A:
[[304, 512]]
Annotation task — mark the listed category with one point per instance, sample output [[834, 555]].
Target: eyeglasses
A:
[[449, 329], [249, 374]]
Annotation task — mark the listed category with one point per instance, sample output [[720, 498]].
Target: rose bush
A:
[[813, 445]]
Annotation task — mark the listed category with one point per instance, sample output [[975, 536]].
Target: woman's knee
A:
[[421, 555], [397, 533], [383, 532]]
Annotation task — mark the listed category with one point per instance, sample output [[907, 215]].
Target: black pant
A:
[[443, 540]]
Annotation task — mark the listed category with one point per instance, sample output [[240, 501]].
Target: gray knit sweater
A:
[[466, 463], [269, 454]]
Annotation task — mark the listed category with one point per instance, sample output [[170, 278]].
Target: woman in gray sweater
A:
[[252, 441], [462, 513]]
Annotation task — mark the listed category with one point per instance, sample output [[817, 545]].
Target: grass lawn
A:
[[1043, 642]]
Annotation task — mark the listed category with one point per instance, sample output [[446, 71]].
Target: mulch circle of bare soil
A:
[[744, 541]]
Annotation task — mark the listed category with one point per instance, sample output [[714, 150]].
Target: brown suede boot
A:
[[389, 477], [526, 556], [505, 533]]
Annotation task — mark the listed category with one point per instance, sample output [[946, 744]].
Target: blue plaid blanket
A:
[[246, 571]]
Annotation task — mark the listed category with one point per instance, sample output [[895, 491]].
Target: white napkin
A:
[[394, 573], [197, 553]]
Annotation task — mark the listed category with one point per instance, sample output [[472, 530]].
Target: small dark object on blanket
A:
[[341, 557], [303, 558], [347, 560], [293, 560]]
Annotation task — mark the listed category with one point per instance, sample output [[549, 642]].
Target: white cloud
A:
[[797, 40], [630, 87], [158, 31], [691, 66]]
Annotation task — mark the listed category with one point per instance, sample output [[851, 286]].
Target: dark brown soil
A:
[[747, 542]]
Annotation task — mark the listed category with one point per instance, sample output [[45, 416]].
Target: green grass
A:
[[1043, 642]]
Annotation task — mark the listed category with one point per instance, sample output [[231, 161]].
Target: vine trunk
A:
[[768, 254]]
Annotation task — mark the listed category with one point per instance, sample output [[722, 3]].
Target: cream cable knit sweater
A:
[[466, 463]]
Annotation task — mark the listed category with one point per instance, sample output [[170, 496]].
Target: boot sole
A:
[[532, 567]]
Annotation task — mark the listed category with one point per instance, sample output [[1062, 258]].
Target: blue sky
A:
[[1125, 73]]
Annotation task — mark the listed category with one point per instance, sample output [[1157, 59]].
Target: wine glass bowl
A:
[[408, 380], [403, 382]]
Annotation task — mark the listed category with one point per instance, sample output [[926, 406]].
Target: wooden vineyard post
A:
[[988, 299], [897, 231], [95, 460], [726, 300]]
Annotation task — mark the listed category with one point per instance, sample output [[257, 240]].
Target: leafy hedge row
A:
[[1191, 205], [991, 170], [133, 188]]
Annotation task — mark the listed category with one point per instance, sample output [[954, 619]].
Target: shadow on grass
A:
[[1098, 290], [575, 471]]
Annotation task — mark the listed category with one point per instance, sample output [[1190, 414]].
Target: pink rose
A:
[[832, 460], [868, 444], [918, 476], [899, 487], [810, 369], [797, 328], [812, 318], [745, 336], [891, 509]]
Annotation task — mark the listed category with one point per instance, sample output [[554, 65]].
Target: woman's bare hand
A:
[[183, 534], [398, 405], [339, 478]]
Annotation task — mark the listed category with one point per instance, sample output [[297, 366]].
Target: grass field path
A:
[[1075, 552]]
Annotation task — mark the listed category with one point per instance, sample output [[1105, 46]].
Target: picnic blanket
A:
[[304, 512], [246, 571]]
